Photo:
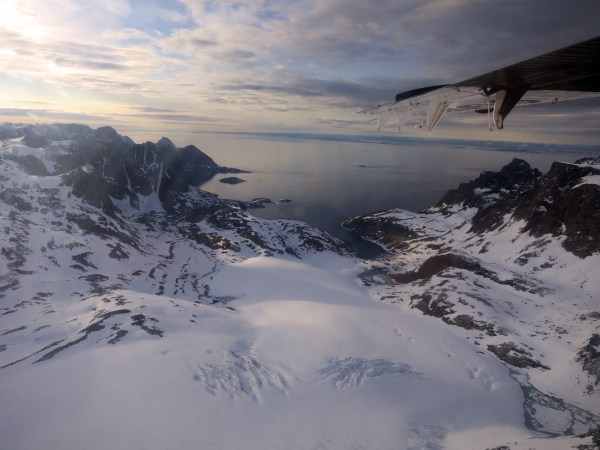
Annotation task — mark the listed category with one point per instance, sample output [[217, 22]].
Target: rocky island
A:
[[232, 180]]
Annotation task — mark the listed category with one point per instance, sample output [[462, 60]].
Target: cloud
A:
[[253, 60], [48, 114], [153, 109], [88, 63], [174, 116], [442, 41], [341, 93], [126, 34], [239, 54], [115, 7]]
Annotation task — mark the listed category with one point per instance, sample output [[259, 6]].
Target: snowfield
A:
[[304, 359], [127, 326]]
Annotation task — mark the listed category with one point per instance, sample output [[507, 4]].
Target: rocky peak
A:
[[38, 136], [109, 134], [101, 165], [165, 144], [517, 167], [561, 202], [566, 201], [589, 161], [514, 178]]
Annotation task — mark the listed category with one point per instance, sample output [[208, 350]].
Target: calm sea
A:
[[324, 180]]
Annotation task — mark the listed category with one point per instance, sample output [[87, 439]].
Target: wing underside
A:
[[570, 73]]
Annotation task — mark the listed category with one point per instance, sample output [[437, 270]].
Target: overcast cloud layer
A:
[[255, 65]]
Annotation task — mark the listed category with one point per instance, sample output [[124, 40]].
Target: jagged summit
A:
[[165, 143], [566, 202], [102, 166], [512, 181], [563, 202]]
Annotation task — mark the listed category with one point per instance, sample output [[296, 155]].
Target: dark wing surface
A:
[[566, 74], [573, 68]]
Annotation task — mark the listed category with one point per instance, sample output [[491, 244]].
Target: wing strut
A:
[[489, 112], [436, 113], [505, 102]]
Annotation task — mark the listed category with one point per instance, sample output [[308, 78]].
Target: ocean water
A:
[[324, 180]]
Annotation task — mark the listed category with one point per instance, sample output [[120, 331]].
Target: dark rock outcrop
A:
[[383, 230], [435, 307], [140, 170], [589, 357], [494, 194], [557, 203], [561, 204], [490, 186], [232, 180], [105, 166], [515, 356], [467, 322], [439, 263]]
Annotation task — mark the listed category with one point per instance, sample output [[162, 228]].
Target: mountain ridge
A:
[[491, 253]]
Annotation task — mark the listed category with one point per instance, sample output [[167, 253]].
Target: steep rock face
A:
[[560, 202], [387, 232], [589, 357], [102, 167], [516, 177], [494, 194], [109, 166]]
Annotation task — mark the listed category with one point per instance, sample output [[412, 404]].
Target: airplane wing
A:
[[569, 73]]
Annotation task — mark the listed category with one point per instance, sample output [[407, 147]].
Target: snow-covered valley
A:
[[137, 311]]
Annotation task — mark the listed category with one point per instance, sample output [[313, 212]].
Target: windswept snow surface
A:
[[136, 337], [304, 359]]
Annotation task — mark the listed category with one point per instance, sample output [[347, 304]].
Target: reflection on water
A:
[[329, 181]]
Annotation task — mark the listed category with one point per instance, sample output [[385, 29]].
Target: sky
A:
[[160, 66]]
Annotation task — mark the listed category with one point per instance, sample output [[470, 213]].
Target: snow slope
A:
[[299, 364]]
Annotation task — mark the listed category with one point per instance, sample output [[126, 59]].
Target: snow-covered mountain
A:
[[137, 311], [512, 258]]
